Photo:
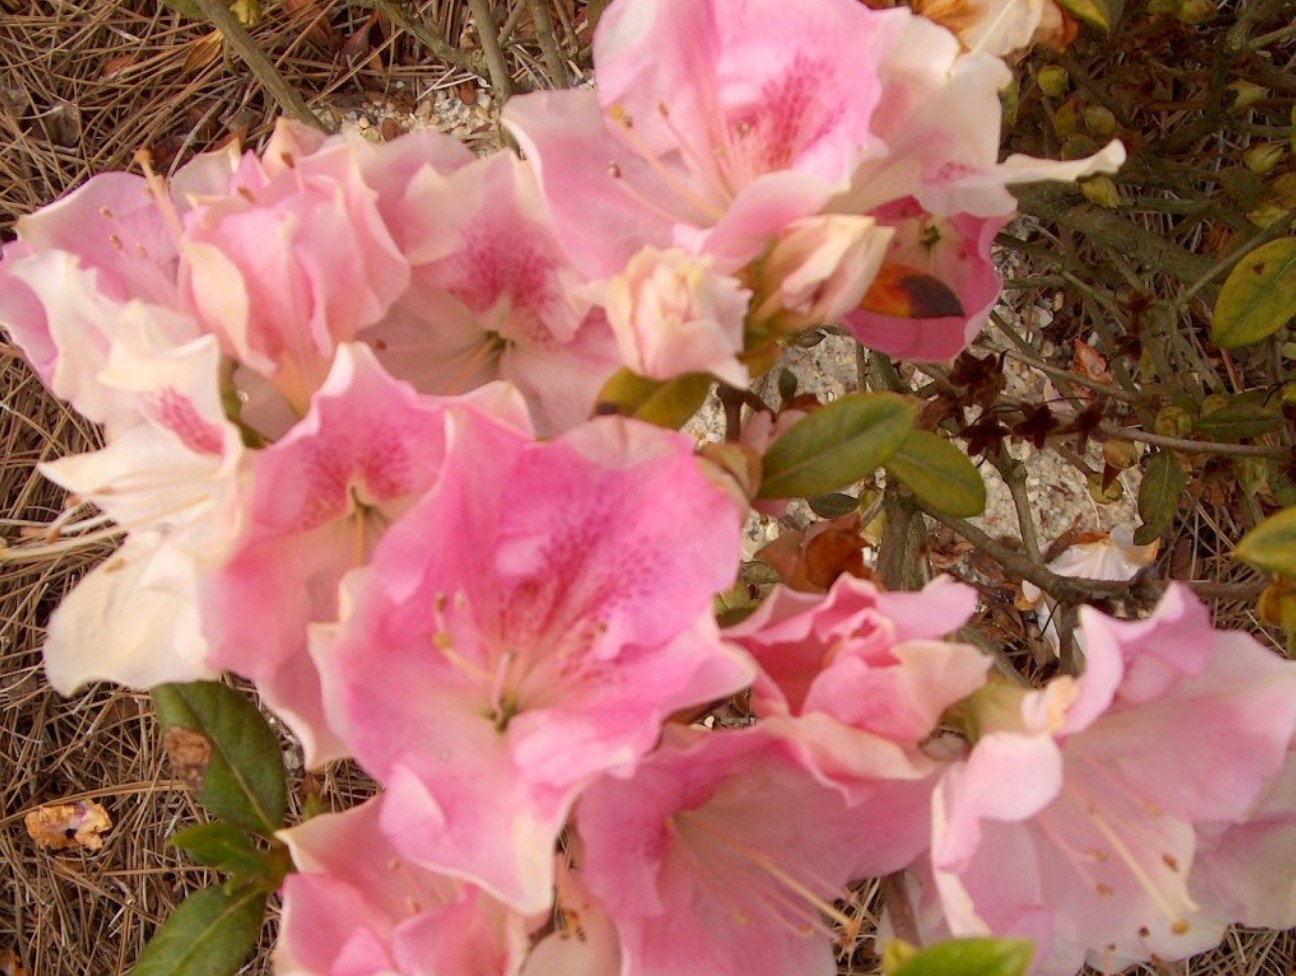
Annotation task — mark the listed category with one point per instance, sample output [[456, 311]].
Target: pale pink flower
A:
[[673, 314], [714, 125], [1246, 869], [955, 251], [356, 907], [289, 259], [863, 682], [317, 502], [720, 856], [492, 296], [818, 270], [1072, 820], [525, 628]]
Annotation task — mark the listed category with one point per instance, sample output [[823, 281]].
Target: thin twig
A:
[[287, 97]]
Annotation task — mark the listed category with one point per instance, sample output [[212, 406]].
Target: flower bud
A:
[[1193, 12], [1262, 157], [1102, 190], [1247, 93], [818, 270], [1172, 421], [1099, 121], [1053, 80], [672, 314]]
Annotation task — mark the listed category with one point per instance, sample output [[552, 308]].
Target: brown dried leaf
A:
[[67, 825], [11, 965], [202, 52], [189, 752]]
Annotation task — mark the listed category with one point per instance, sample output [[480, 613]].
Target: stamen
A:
[[1136, 869], [655, 164], [701, 164], [161, 197]]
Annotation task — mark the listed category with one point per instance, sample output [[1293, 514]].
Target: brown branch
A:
[[288, 98]]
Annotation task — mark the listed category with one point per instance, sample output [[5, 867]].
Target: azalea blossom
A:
[[720, 856], [355, 907], [317, 503], [524, 628], [1091, 851], [491, 295]]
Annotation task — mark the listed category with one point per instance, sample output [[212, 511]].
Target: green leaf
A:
[[1099, 14], [1238, 419], [1271, 545], [1158, 498], [833, 505], [967, 957], [224, 846], [666, 403], [244, 781], [209, 934], [940, 475], [1259, 296], [835, 446]]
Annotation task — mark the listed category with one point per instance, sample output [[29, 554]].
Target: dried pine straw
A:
[[84, 85]]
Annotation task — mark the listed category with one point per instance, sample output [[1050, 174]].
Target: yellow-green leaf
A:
[[1271, 545], [1258, 297], [665, 403], [835, 446], [939, 474], [1099, 14], [960, 957]]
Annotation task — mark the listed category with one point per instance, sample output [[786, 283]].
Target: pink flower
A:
[[672, 314], [491, 295], [290, 258], [714, 125], [863, 685], [525, 628], [1090, 850], [955, 251], [318, 502], [818, 270], [356, 907], [720, 856]]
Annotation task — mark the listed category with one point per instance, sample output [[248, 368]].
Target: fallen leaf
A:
[[67, 825], [189, 752], [10, 964]]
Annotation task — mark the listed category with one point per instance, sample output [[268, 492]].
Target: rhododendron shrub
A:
[[355, 408]]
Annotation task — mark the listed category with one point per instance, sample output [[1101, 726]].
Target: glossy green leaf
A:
[[835, 446], [965, 957], [1259, 296], [1158, 498], [666, 403], [835, 504], [211, 933], [243, 782], [224, 846], [1234, 421], [1099, 14], [939, 474], [1271, 545]]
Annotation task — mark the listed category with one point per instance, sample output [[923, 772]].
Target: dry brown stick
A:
[[288, 98], [501, 81], [424, 33], [544, 27]]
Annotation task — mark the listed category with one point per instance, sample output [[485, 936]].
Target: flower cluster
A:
[[347, 393]]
